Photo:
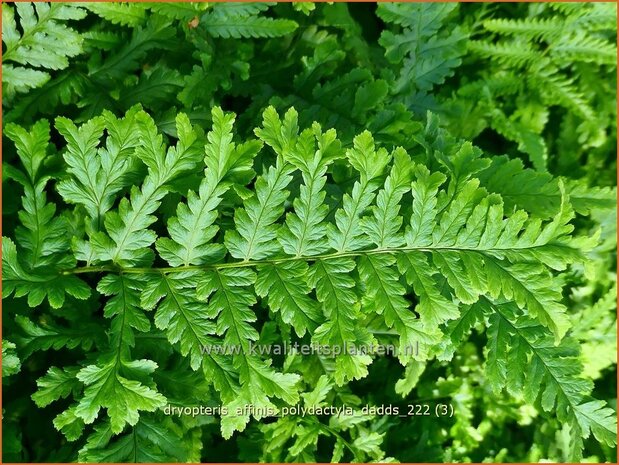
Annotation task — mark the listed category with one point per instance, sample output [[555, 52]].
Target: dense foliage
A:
[[184, 177]]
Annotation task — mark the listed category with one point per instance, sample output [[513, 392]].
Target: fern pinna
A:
[[264, 247]]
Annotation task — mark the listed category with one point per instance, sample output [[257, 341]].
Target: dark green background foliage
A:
[[190, 174]]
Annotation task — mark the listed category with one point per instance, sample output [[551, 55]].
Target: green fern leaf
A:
[[37, 284], [48, 335], [384, 295], [424, 206], [334, 289], [384, 225], [122, 397], [161, 84], [10, 361], [427, 56], [534, 28], [229, 300], [303, 234], [192, 230], [285, 288], [186, 321], [370, 163], [433, 308], [255, 228], [426, 19], [97, 174], [19, 80], [183, 11], [128, 237], [584, 48], [44, 42], [56, 384], [238, 23], [150, 440], [157, 33], [548, 371], [125, 14]]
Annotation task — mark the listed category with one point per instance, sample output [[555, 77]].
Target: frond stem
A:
[[275, 261]]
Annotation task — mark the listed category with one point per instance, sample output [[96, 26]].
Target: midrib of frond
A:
[[275, 261]]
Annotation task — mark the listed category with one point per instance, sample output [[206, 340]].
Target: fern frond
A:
[[501, 83], [293, 281], [152, 439], [534, 28], [335, 291], [240, 9], [183, 11], [229, 300], [223, 21], [33, 269], [595, 17], [37, 284], [384, 295], [48, 335], [19, 80], [255, 228], [595, 327], [255, 223], [10, 361], [192, 230], [425, 19], [286, 291], [31, 147], [186, 322], [124, 14], [441, 232], [41, 233], [384, 225], [425, 209], [433, 308], [57, 383], [157, 33], [539, 368], [370, 163], [128, 236], [122, 397], [433, 62], [61, 89], [347, 91], [44, 42], [490, 249], [584, 48], [529, 141], [562, 90], [512, 54], [303, 233], [98, 173], [116, 382], [428, 54], [152, 88]]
